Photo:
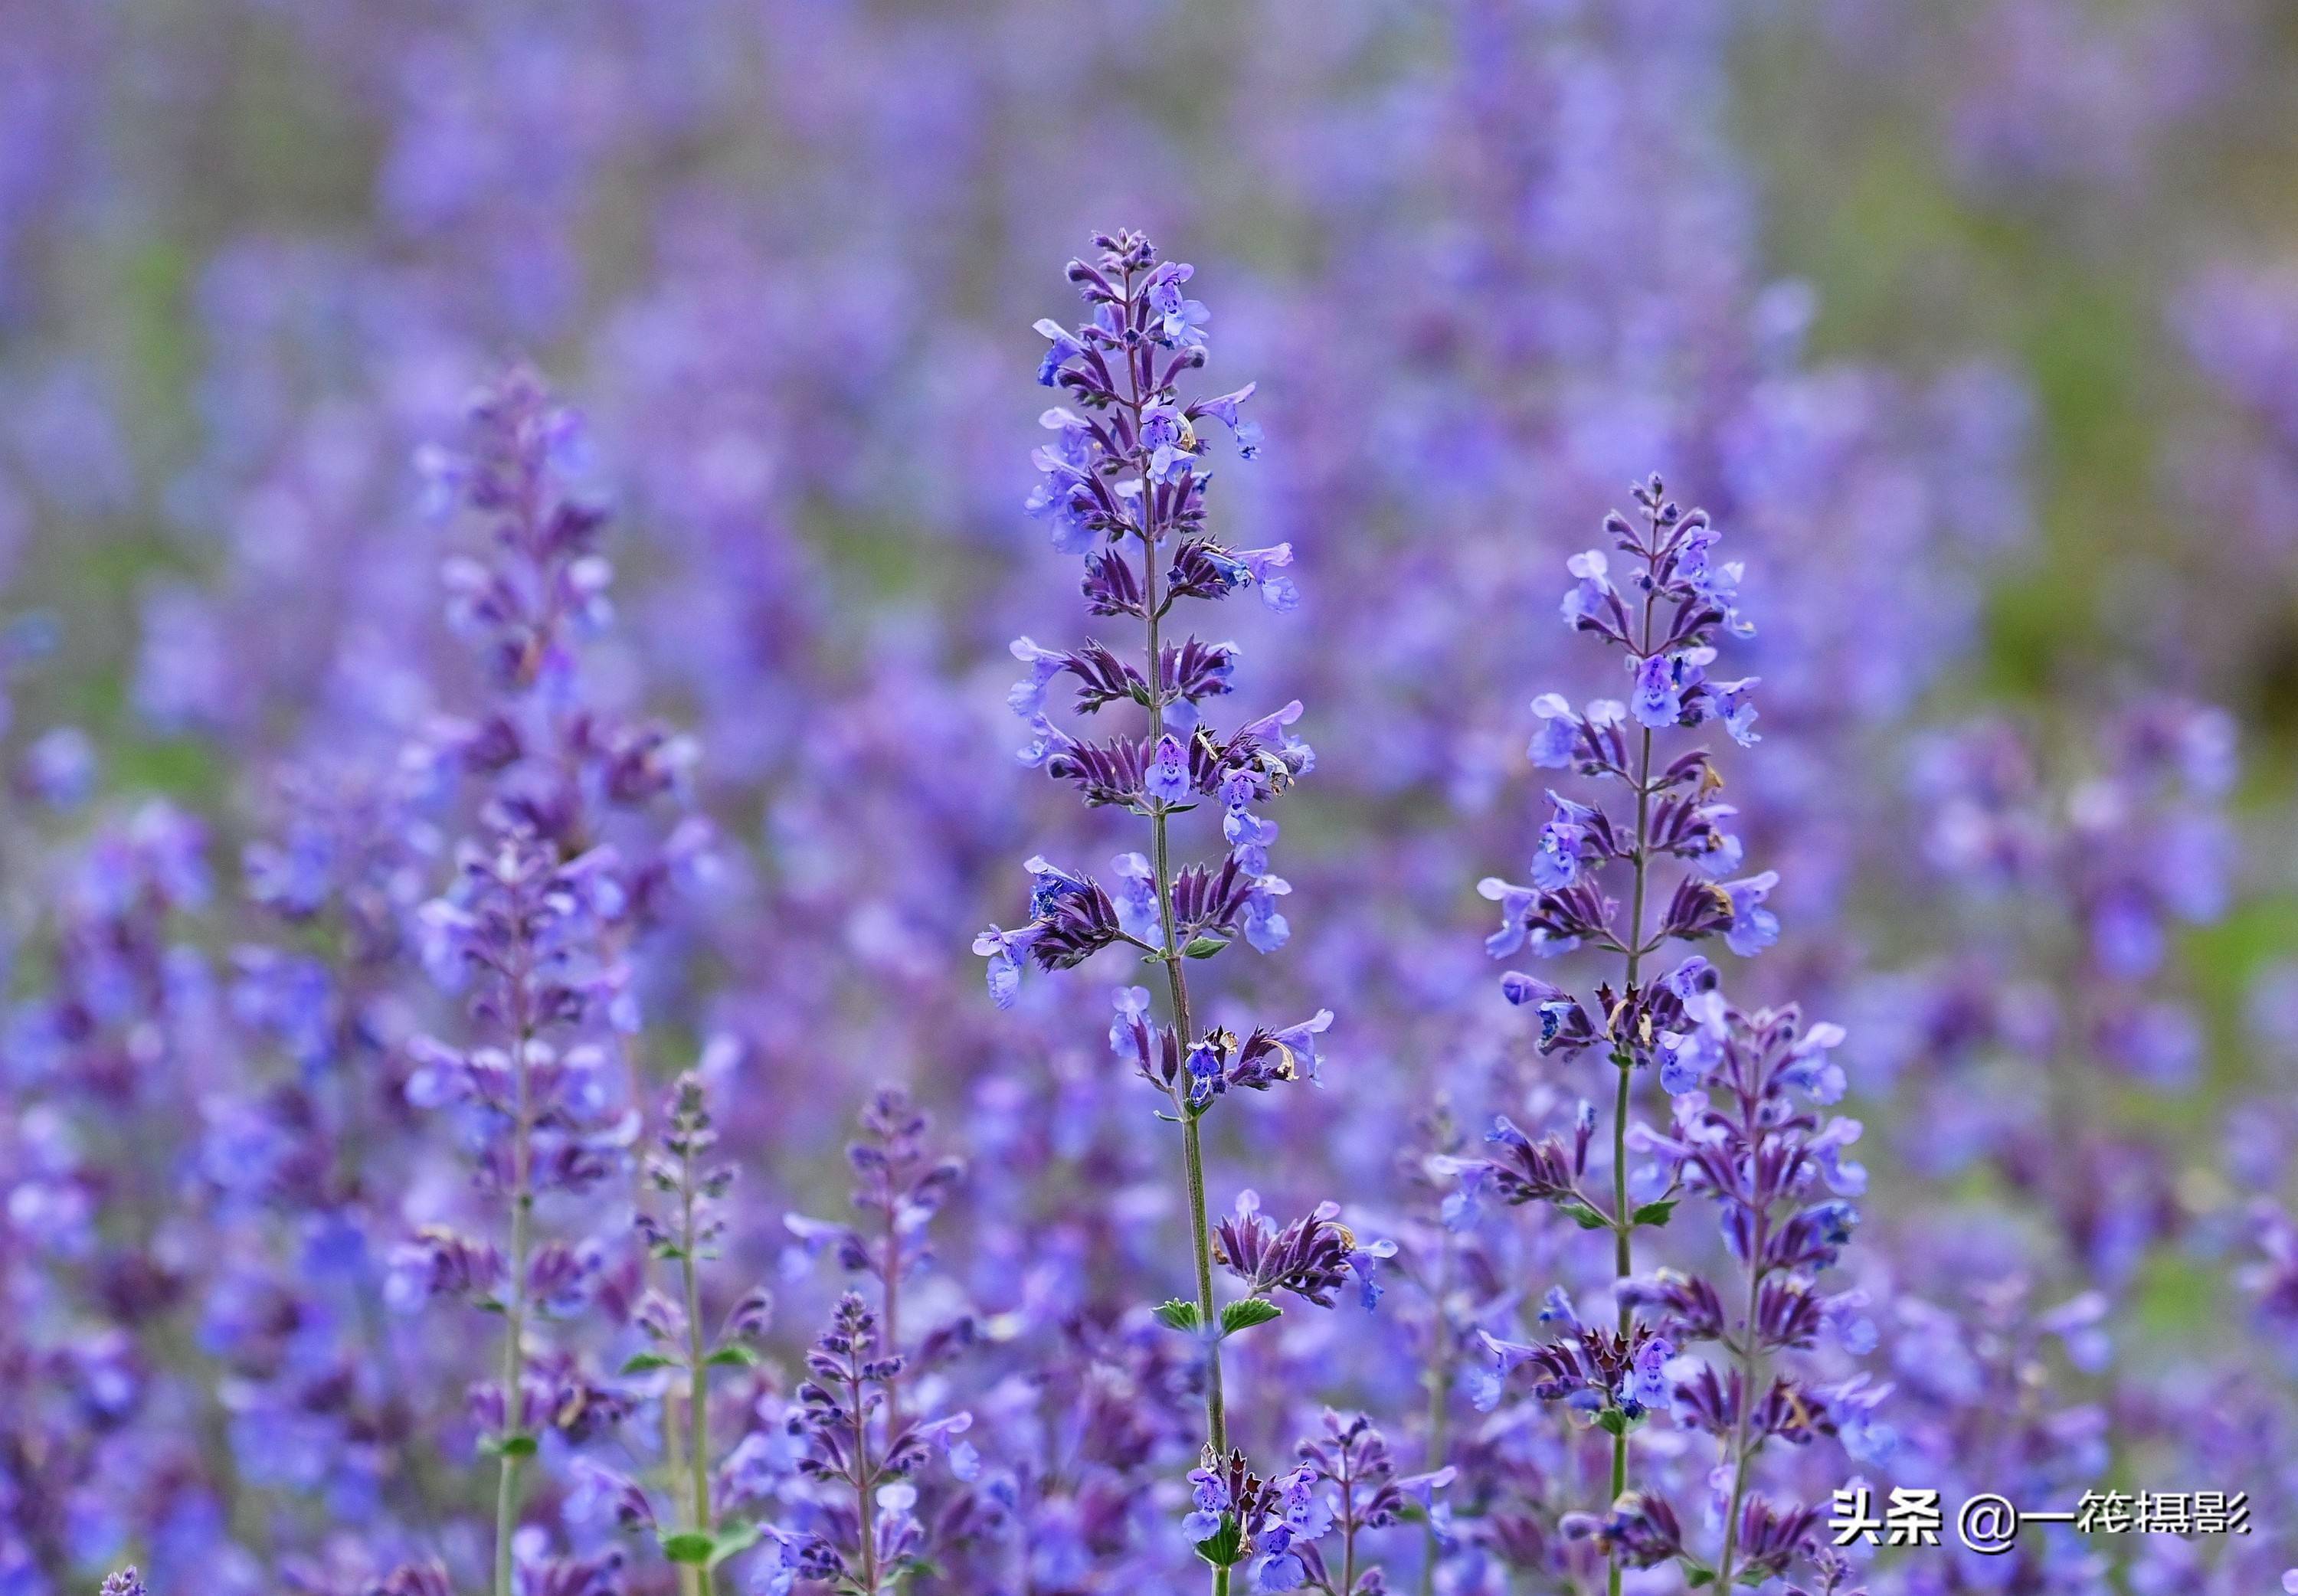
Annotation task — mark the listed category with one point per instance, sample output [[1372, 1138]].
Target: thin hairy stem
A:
[[1749, 1356], [1192, 1160], [890, 1317], [865, 1508], [697, 1375], [1624, 1056], [514, 1359]]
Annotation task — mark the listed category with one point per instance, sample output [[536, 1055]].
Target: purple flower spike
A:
[[1125, 483], [1742, 1134]]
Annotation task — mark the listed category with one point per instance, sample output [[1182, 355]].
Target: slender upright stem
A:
[[1193, 1159], [1624, 1056], [1193, 1156], [697, 1374], [892, 1305], [1749, 1355], [688, 1584], [864, 1490], [514, 1358]]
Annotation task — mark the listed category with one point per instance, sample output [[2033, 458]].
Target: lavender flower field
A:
[[1385, 798]]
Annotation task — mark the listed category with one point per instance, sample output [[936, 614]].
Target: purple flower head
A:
[[1262, 569], [1180, 320], [1593, 603], [1563, 1024], [1311, 1258], [1657, 702], [1060, 349], [1126, 482], [1686, 1058], [1168, 780], [1557, 742], [1753, 928]]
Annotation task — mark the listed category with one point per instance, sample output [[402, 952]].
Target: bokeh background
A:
[[1975, 325]]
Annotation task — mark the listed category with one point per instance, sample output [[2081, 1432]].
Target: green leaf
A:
[[1612, 1421], [1580, 1214], [1246, 1313], [690, 1546], [1204, 948], [1699, 1576], [1656, 1213], [639, 1364], [1225, 1549], [734, 1540], [514, 1445], [1178, 1315], [733, 1355]]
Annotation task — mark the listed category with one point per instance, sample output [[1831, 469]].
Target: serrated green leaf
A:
[[639, 1364], [1656, 1213], [1246, 1313], [1178, 1315], [690, 1546], [1203, 947], [1582, 1215], [734, 1355], [1225, 1549]]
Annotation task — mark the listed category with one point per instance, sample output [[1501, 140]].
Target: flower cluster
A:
[[900, 1182], [1365, 1494], [1125, 486], [683, 1230], [1271, 1524], [868, 1537], [537, 927], [298, 764], [1742, 1136]]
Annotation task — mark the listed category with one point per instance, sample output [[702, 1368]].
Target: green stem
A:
[[864, 1490], [891, 1317], [514, 1359], [1192, 1160], [514, 1374], [1624, 1056], [698, 1378], [1749, 1353]]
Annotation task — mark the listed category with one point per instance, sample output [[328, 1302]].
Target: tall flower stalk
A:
[[684, 1229], [1124, 487], [556, 877], [528, 926], [1755, 1150], [860, 1436]]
